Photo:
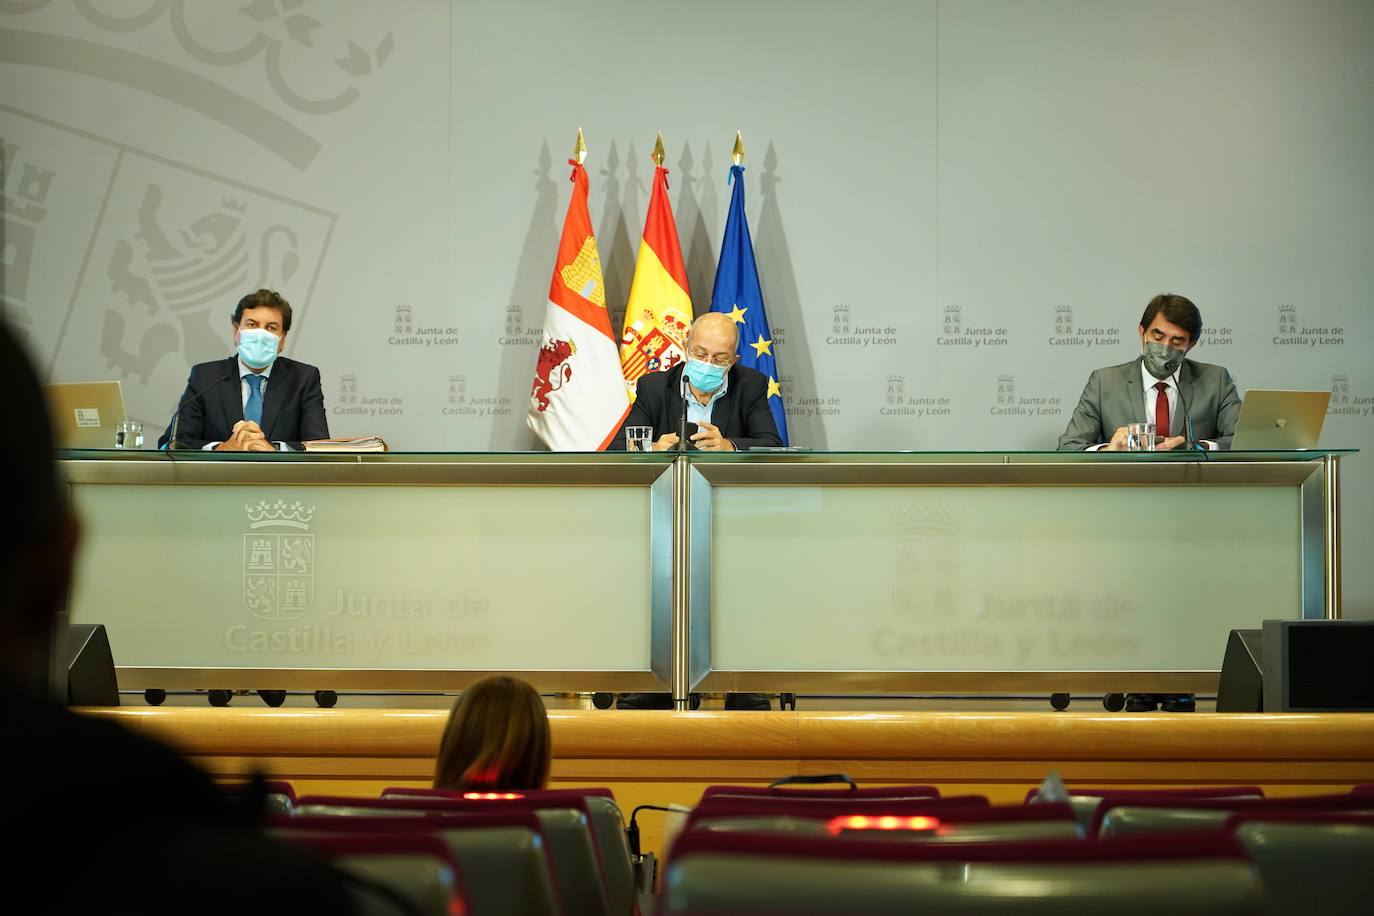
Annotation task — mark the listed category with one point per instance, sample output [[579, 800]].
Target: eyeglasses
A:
[[720, 359]]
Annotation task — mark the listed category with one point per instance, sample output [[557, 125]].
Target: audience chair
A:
[[606, 819], [503, 856], [1126, 816], [420, 869], [1086, 801], [734, 873], [566, 823]]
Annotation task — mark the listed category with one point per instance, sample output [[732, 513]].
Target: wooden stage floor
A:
[[662, 757]]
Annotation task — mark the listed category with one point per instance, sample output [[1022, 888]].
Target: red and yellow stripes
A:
[[659, 311]]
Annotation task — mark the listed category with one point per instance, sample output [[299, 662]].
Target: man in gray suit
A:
[[1190, 403]]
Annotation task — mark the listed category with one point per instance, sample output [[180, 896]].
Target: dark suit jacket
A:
[[1114, 397], [292, 406], [114, 822], [742, 413]]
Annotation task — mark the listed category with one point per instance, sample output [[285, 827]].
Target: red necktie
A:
[[1162, 410]]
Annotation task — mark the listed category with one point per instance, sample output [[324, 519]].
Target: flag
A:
[[737, 294], [659, 312], [578, 399]]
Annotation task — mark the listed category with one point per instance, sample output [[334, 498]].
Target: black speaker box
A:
[[90, 667], [1242, 673]]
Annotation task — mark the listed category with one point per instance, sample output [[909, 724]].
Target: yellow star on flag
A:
[[737, 314], [773, 387], [762, 347]]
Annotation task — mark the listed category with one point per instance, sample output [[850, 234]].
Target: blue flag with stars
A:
[[737, 294]]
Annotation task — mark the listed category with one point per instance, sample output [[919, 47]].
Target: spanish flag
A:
[[659, 311], [578, 400]]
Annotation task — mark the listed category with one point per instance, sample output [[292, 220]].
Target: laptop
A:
[[1280, 420], [85, 414]]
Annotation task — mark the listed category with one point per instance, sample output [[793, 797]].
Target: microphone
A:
[[682, 416], [171, 442], [1189, 443]]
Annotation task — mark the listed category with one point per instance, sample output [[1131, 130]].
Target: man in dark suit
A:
[[277, 402], [729, 405], [111, 821], [727, 402]]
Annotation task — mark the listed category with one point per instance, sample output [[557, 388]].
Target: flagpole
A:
[[737, 154], [580, 148], [657, 154]]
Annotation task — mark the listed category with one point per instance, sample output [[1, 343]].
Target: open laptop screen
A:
[[85, 414]]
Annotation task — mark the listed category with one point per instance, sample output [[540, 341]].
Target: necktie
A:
[[252, 410], [1162, 409]]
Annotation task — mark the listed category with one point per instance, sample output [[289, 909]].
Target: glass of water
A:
[[1140, 437], [639, 438], [129, 434]]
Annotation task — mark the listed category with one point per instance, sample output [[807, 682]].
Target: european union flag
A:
[[737, 294]]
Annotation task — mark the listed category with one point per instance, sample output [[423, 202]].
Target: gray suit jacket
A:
[[1114, 397]]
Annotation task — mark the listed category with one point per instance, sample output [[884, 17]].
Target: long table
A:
[[892, 572]]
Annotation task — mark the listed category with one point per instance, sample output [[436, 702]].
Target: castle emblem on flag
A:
[[583, 275], [551, 371], [279, 560]]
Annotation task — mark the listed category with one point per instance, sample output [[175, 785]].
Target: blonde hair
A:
[[497, 738]]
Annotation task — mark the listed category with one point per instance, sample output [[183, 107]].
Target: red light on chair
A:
[[491, 796], [838, 825]]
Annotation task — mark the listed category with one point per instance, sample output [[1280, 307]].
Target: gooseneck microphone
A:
[[1189, 443], [171, 443], [683, 394]]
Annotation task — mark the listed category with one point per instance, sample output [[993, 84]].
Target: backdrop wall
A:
[[959, 208]]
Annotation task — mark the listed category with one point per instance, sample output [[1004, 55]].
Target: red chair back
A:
[[531, 794], [827, 808], [789, 792]]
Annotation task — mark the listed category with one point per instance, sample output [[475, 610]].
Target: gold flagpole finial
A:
[[658, 155], [580, 148], [737, 154]]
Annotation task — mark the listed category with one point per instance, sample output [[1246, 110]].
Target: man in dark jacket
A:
[[105, 820], [255, 400], [728, 403]]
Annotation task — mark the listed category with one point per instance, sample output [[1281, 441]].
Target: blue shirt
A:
[[698, 412]]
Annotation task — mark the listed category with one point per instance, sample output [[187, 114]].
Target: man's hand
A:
[[1169, 444], [246, 436], [708, 439], [1118, 443], [665, 442]]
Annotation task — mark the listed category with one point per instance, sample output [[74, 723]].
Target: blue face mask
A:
[[258, 348], [704, 376]]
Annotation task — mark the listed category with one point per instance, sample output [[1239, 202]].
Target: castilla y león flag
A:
[[659, 311], [578, 400]]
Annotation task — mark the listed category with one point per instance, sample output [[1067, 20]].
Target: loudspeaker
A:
[[90, 667], [1242, 673], [1319, 665]]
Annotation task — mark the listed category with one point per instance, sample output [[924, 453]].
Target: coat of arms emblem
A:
[[279, 560]]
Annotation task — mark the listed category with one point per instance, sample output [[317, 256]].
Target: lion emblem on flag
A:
[[551, 371]]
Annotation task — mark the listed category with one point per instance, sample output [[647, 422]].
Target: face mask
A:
[[705, 376], [258, 348], [1162, 360]]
